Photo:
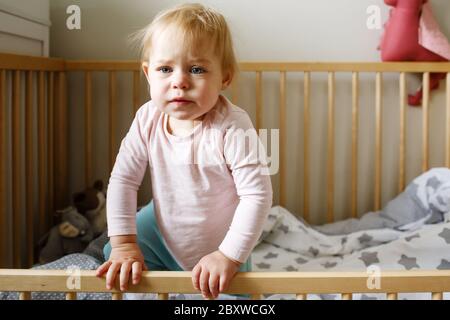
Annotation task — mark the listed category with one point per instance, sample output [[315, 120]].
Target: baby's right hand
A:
[[124, 258]]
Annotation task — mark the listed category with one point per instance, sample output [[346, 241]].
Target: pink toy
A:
[[412, 34]]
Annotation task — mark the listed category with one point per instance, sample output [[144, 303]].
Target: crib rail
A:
[[50, 82], [435, 282]]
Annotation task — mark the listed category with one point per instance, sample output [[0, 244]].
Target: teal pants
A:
[[156, 255]]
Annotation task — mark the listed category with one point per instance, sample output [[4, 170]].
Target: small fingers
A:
[[125, 275], [136, 271], [214, 285], [111, 274], [196, 277], [103, 268], [204, 284]]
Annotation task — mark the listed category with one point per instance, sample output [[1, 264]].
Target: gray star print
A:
[[284, 228], [329, 265], [290, 268], [445, 265], [313, 251], [412, 237], [364, 238], [301, 260], [408, 262], [271, 255], [263, 265], [445, 234], [344, 240], [369, 258]]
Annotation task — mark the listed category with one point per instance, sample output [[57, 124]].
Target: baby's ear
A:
[[226, 80], [145, 69]]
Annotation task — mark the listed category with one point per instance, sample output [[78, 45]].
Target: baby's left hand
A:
[[213, 273]]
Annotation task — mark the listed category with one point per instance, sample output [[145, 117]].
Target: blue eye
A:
[[164, 69], [197, 70]]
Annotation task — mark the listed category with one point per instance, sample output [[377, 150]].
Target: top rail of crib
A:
[[245, 282], [27, 63]]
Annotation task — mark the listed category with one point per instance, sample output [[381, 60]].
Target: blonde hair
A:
[[194, 22]]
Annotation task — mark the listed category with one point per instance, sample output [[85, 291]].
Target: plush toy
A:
[[92, 204], [72, 235], [412, 34]]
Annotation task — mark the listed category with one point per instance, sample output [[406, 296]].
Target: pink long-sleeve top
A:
[[211, 189]]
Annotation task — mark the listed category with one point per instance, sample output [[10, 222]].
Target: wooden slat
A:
[[16, 165], [136, 91], [355, 119], [29, 63], [88, 128], [163, 296], [378, 139], [402, 151], [71, 296], [259, 110], [391, 296], [29, 174], [448, 122], [301, 296], [50, 147], [3, 160], [282, 138], [61, 144], [103, 65], [25, 295], [330, 149], [347, 296], [242, 283], [255, 296], [43, 223], [345, 66], [425, 119], [117, 296], [437, 296], [306, 144], [112, 117]]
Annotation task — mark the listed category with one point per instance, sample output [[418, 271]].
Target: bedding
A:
[[412, 232]]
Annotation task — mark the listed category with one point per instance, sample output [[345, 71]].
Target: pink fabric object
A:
[[430, 35], [208, 191]]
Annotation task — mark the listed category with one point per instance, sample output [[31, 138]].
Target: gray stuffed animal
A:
[[72, 235]]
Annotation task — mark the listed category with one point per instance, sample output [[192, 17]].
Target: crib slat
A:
[[112, 117], [437, 296], [259, 115], [306, 145], [2, 168], [301, 296], [425, 119], [330, 149], [50, 148], [41, 152], [347, 296], [282, 138], [71, 296], [448, 122], [355, 118], [136, 91], [61, 145], [29, 175], [378, 139], [88, 127], [117, 296], [25, 296], [16, 165], [163, 296], [392, 296], [402, 151]]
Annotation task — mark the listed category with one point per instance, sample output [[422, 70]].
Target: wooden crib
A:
[[34, 141]]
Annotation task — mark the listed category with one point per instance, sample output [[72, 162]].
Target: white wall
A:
[[24, 27], [297, 30]]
